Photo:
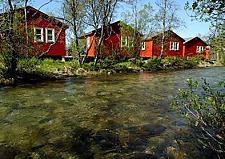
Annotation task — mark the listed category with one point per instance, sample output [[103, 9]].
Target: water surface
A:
[[118, 116]]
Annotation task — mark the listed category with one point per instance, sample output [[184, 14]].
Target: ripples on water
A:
[[118, 116]]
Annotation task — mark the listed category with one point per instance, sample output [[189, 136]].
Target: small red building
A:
[[173, 45], [117, 40], [46, 34], [196, 46]]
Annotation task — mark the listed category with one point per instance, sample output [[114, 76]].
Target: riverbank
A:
[[34, 69], [119, 116]]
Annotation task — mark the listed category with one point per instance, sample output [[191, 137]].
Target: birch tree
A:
[[166, 19], [8, 35], [74, 12], [141, 19], [99, 14], [212, 11]]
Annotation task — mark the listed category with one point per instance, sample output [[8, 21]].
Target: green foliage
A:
[[204, 108], [153, 64], [217, 43], [126, 67], [208, 10], [90, 66], [28, 64], [170, 63]]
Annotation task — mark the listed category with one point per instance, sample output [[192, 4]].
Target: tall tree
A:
[[74, 11], [208, 10], [142, 22], [212, 11], [99, 14], [8, 34], [166, 19]]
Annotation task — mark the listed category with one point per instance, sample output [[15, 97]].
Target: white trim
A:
[[88, 42], [143, 45], [42, 35], [125, 38], [199, 49], [174, 46], [46, 35]]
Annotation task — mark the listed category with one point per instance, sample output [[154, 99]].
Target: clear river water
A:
[[117, 117]]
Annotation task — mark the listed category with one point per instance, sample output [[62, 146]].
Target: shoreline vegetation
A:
[[33, 69]]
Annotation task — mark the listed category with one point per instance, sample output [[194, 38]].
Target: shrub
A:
[[153, 64], [90, 66], [139, 62], [74, 64], [126, 67], [205, 110], [28, 64]]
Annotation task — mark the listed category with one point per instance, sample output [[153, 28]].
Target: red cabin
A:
[[196, 46], [117, 40], [46, 33], [173, 46]]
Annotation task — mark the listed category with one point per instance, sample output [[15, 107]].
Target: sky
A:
[[192, 27]]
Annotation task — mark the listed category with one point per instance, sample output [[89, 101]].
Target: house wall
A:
[[191, 46], [57, 49], [167, 51], [91, 48], [148, 52], [111, 43]]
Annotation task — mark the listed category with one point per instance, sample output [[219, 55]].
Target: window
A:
[[38, 35], [50, 35], [199, 49], [124, 41], [143, 46], [174, 46]]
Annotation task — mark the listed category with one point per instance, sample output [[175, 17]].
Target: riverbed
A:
[[111, 116]]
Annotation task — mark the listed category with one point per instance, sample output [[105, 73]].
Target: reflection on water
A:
[[119, 116]]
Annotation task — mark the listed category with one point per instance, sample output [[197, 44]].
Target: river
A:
[[117, 116]]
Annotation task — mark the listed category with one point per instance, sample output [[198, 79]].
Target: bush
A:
[[125, 67], [90, 66], [153, 64], [28, 64], [205, 110]]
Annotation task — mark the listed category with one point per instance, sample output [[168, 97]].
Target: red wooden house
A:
[[196, 46], [173, 45], [117, 40], [46, 33]]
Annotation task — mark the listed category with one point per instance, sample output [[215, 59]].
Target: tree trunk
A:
[[11, 72], [164, 29], [98, 49]]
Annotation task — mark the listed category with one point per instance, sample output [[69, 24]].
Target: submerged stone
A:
[[107, 139], [141, 155], [147, 130]]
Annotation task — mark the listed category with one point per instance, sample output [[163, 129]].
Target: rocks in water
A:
[[7, 152], [141, 155], [137, 144], [107, 139], [147, 129]]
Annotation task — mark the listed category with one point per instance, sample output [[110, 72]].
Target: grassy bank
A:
[[47, 69]]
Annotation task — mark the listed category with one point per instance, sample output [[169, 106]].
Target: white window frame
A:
[[35, 35], [126, 41], [143, 45], [199, 49], [46, 35], [174, 46]]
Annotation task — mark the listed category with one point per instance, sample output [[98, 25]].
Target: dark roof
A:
[[114, 25], [168, 31], [35, 11], [195, 38]]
